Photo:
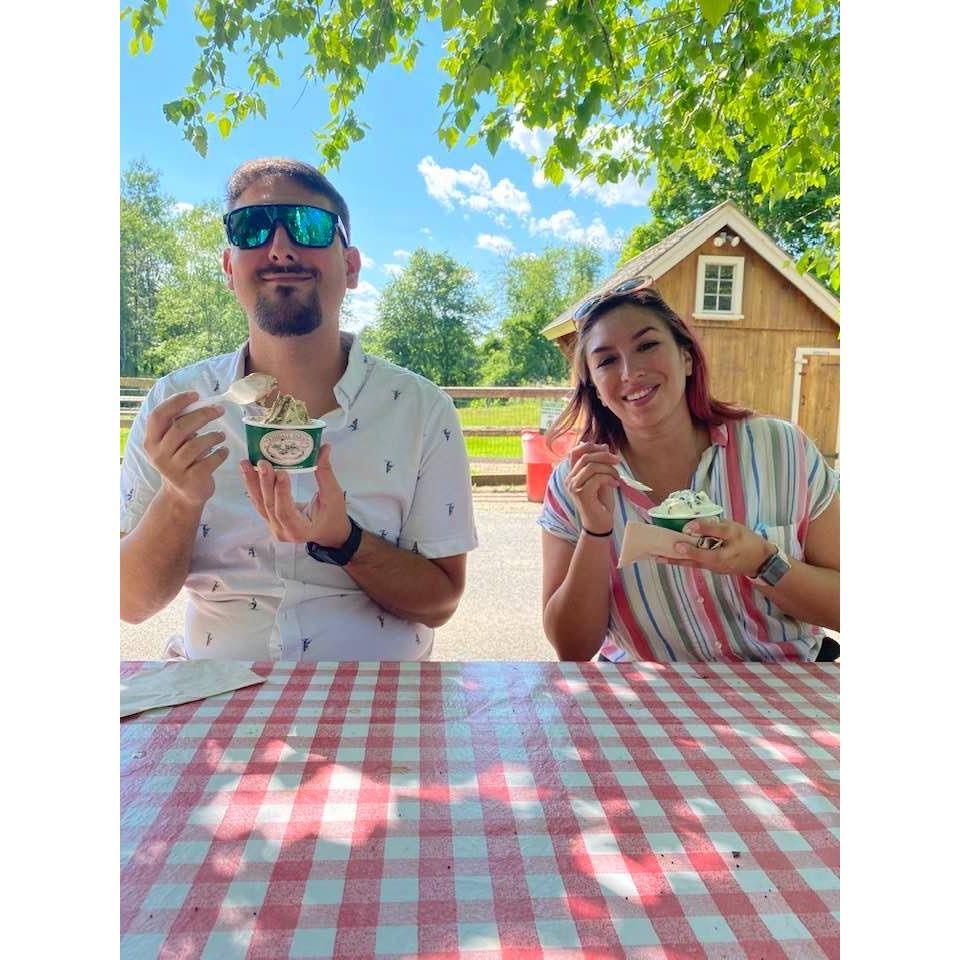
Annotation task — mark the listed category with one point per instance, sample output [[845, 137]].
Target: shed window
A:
[[719, 288]]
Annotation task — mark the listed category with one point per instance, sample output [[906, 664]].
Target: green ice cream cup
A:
[[678, 523], [290, 447]]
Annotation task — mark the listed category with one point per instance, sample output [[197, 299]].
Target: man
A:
[[359, 560]]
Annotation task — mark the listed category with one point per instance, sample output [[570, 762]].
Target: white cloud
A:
[[498, 245], [362, 305], [181, 206], [366, 261], [426, 232], [566, 226], [403, 254], [394, 269], [628, 192], [472, 189]]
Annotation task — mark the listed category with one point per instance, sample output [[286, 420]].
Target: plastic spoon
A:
[[249, 389]]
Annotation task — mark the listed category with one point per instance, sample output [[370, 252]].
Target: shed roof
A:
[[662, 256]]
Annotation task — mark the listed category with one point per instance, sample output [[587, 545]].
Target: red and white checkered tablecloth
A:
[[487, 810]]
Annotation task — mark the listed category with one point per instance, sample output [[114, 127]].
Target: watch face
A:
[[775, 570]]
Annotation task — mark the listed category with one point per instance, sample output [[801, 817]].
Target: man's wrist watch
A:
[[772, 570], [342, 555]]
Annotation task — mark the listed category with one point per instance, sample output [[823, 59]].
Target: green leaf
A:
[[146, 41], [703, 119], [449, 14], [224, 126], [713, 10], [470, 7]]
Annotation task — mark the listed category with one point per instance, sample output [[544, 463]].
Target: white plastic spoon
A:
[[249, 389]]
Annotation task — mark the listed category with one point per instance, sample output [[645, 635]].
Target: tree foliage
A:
[[196, 316], [536, 290], [800, 225], [676, 83], [147, 244], [428, 319]]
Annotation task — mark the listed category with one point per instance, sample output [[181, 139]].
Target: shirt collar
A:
[[719, 435], [347, 387], [355, 376]]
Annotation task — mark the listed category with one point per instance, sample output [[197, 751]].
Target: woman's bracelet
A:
[[601, 535]]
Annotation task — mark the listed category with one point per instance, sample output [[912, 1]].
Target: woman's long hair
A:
[[595, 422]]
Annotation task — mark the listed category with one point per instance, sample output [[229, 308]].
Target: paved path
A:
[[498, 617]]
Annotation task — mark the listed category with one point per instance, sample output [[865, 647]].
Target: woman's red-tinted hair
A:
[[594, 421]]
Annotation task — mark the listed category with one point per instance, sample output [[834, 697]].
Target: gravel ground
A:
[[498, 617]]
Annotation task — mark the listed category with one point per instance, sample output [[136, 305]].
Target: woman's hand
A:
[[740, 553], [590, 483]]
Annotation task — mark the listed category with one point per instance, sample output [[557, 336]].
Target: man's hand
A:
[[323, 520], [180, 455]]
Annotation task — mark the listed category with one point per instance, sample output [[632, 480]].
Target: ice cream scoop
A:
[[682, 506]]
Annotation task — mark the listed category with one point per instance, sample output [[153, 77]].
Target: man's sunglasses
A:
[[251, 227], [591, 303]]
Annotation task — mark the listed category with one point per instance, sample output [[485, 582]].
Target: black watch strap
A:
[[340, 556]]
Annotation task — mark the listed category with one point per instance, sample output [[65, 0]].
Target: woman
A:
[[642, 402]]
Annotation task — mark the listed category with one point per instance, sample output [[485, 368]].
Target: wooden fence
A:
[[492, 444]]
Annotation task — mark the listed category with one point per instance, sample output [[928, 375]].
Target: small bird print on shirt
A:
[[216, 387], [449, 509], [204, 530], [396, 394], [416, 549], [446, 434], [253, 603], [353, 425], [251, 552], [215, 587], [389, 464], [417, 635], [380, 618], [129, 495], [306, 643], [209, 638], [384, 535]]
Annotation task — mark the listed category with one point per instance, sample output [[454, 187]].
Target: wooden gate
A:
[[816, 398]]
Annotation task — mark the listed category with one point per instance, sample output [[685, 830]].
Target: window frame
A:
[[736, 301]]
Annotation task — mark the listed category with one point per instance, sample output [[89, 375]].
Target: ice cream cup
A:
[[677, 523], [290, 447]]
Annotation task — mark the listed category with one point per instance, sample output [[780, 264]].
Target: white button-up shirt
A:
[[398, 453]]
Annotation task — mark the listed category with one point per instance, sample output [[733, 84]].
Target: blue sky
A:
[[405, 189]]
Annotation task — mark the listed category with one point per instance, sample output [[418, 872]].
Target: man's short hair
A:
[[310, 177]]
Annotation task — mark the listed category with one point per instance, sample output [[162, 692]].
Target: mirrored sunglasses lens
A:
[[250, 227], [310, 226]]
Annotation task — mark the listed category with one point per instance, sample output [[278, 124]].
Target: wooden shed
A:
[[770, 333]]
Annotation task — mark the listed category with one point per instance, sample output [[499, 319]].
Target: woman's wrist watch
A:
[[772, 570]]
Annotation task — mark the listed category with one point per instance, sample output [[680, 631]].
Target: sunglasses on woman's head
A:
[[591, 303], [251, 227]]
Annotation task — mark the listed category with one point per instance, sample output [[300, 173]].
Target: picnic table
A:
[[487, 810]]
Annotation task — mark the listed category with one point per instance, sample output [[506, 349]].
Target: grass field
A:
[[512, 413]]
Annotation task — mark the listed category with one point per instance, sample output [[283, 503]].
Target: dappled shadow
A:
[[499, 808]]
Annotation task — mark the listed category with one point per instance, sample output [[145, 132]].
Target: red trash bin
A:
[[540, 461]]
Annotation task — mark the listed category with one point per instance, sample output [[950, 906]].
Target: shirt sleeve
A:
[[139, 480], [440, 521], [822, 481], [559, 515]]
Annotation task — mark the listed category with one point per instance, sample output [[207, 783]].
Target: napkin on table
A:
[[182, 681]]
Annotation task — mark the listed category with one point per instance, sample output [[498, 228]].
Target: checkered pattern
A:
[[487, 810]]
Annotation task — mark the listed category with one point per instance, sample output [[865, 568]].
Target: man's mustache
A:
[[292, 271]]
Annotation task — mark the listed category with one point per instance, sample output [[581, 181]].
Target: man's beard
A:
[[287, 315]]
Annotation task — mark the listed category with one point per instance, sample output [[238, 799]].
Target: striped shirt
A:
[[768, 476]]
